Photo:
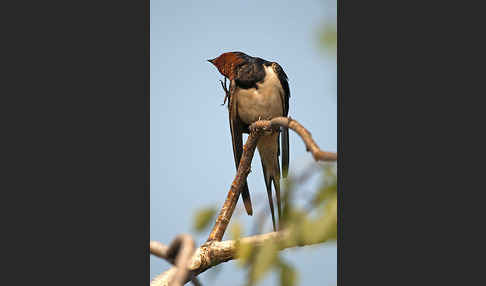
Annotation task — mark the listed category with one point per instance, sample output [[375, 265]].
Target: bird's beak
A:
[[211, 61]]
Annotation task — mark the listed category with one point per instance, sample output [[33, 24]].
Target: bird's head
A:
[[226, 63]]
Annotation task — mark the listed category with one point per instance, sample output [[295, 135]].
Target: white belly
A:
[[262, 103]]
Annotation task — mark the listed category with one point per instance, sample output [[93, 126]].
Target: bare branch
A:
[[243, 170], [306, 136], [213, 253], [178, 253], [160, 250]]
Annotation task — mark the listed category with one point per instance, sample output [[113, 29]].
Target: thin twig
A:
[[213, 253], [230, 203], [159, 249], [306, 136], [178, 253], [244, 168]]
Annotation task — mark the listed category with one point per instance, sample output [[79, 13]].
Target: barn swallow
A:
[[259, 89]]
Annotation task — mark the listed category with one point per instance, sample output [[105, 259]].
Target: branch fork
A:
[[189, 262]]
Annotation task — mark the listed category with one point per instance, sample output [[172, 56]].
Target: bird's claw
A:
[[223, 85]]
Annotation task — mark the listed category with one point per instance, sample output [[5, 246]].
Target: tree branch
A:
[[243, 170], [178, 253], [160, 250], [213, 253], [306, 136], [245, 163]]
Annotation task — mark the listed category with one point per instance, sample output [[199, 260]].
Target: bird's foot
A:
[[226, 92]]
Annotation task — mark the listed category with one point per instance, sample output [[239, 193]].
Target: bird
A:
[[259, 90]]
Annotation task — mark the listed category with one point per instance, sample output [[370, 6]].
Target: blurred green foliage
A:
[[314, 222], [328, 37], [288, 275], [203, 218], [264, 259]]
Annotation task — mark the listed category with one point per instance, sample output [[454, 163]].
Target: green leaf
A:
[[203, 217], [288, 275], [243, 250], [328, 37], [324, 193], [288, 188], [310, 231], [328, 186], [296, 220], [243, 253], [236, 230], [326, 224], [265, 258]]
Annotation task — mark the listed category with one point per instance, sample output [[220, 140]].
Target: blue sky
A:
[[191, 160]]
